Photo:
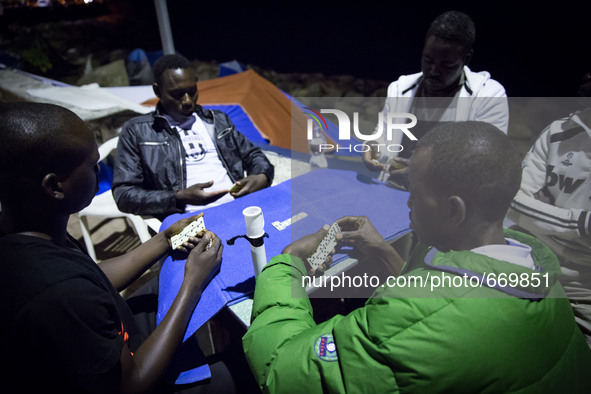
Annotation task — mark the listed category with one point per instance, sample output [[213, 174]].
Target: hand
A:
[[398, 165], [196, 194], [398, 169], [306, 246], [177, 227], [203, 263], [360, 233], [370, 159], [250, 184]]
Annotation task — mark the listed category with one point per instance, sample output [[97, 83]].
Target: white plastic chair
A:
[[103, 205]]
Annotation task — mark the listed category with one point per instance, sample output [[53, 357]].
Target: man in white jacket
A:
[[554, 204], [445, 90]]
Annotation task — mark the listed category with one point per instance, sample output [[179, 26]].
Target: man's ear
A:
[[156, 89], [52, 186], [456, 210]]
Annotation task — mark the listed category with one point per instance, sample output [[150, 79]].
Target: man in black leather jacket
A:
[[167, 160]]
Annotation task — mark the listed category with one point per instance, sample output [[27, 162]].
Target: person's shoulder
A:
[[136, 125], [220, 119], [403, 84], [140, 119], [564, 129], [44, 258], [211, 114], [482, 83], [35, 265]]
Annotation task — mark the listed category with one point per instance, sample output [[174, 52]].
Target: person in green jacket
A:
[[476, 308]]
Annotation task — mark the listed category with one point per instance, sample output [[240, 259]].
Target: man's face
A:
[[177, 91], [442, 63], [427, 217]]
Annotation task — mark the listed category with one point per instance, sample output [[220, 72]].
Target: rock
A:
[[112, 74]]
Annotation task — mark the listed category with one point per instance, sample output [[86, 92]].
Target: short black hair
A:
[[170, 62], [476, 161], [454, 26], [33, 142]]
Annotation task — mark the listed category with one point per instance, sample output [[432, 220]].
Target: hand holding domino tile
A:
[[203, 262], [183, 234], [315, 250], [359, 233], [249, 184]]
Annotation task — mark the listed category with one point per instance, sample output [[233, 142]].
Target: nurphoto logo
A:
[[386, 124]]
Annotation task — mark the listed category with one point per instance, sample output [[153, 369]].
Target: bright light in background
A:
[[87, 1]]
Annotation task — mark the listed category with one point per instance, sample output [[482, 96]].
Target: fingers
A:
[[177, 227], [193, 241], [319, 235], [242, 188], [402, 160], [216, 243], [305, 246], [203, 263], [249, 184], [326, 265], [208, 243], [374, 165], [345, 221], [396, 185], [400, 171], [350, 223], [191, 219], [220, 248], [214, 248], [321, 270], [352, 228], [370, 159], [217, 193], [203, 185], [242, 192], [188, 246], [377, 165], [210, 197], [322, 231]]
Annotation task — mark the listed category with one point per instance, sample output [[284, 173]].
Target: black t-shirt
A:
[[64, 324]]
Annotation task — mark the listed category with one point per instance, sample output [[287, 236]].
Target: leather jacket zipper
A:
[[183, 180], [154, 143], [222, 134]]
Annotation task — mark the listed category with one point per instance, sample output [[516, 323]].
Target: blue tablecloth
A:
[[325, 195]]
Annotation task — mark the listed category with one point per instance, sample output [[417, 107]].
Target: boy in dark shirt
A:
[[65, 326]]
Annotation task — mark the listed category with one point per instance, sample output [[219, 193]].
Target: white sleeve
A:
[[492, 105], [536, 216]]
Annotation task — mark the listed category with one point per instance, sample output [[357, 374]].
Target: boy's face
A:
[[427, 217], [177, 91], [442, 63], [82, 184]]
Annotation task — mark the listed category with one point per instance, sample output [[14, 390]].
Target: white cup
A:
[[255, 228], [255, 222]]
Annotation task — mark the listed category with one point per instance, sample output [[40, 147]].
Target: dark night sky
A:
[[531, 48], [532, 51]]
